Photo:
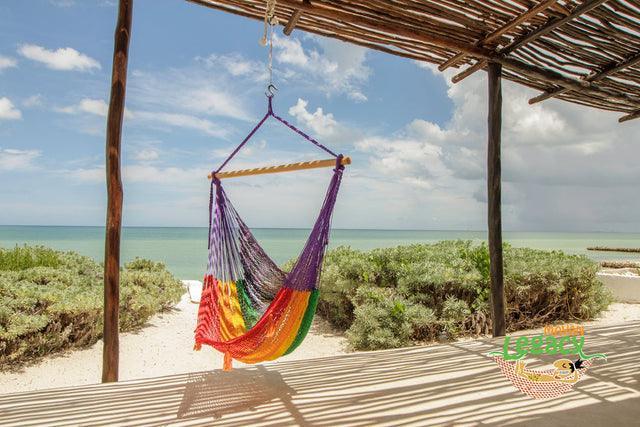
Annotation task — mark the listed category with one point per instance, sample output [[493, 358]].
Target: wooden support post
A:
[[494, 184], [114, 193]]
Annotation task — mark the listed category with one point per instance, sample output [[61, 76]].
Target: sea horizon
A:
[[506, 230], [184, 249]]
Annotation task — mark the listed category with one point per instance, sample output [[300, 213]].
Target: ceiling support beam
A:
[[520, 19], [551, 25], [593, 77], [399, 31], [630, 116], [293, 20]]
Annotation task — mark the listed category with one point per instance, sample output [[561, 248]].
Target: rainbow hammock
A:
[[250, 309]]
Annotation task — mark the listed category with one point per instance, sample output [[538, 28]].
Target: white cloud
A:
[[554, 154], [428, 66], [322, 124], [410, 158], [33, 101], [13, 160], [336, 67], [212, 102], [61, 59], [62, 3], [189, 90], [7, 62], [8, 111], [182, 121], [236, 65], [147, 155], [175, 176], [290, 51], [93, 174], [99, 107], [253, 150], [357, 96], [143, 173]]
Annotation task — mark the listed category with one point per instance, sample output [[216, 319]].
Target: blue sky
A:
[[196, 83]]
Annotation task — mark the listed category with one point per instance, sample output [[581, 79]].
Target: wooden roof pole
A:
[[594, 77], [335, 13], [293, 20], [110, 351], [567, 82], [631, 116], [551, 24], [520, 19], [513, 64]]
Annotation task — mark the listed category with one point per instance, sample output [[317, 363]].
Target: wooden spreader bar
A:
[[313, 164]]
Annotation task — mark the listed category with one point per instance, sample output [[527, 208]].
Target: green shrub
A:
[[21, 258], [385, 320], [391, 297], [51, 300]]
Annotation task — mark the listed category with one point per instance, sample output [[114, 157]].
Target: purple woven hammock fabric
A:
[[235, 254]]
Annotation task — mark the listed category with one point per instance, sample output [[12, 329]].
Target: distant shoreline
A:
[[451, 230], [184, 249], [609, 249]]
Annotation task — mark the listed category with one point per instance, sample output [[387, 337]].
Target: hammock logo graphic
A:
[[564, 342]]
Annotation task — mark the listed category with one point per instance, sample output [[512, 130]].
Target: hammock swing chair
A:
[[251, 310]]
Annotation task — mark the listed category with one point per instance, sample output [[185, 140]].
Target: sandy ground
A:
[[165, 348], [452, 384], [162, 348]]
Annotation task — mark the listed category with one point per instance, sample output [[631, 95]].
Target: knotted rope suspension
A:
[[270, 21]]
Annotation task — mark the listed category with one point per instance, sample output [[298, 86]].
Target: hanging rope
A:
[[270, 21]]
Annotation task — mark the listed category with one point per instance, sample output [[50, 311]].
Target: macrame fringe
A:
[[227, 365]]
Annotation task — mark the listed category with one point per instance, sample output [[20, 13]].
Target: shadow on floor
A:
[[447, 384]]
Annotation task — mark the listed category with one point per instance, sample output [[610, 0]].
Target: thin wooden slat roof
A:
[[586, 52]]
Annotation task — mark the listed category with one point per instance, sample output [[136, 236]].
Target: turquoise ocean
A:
[[184, 250]]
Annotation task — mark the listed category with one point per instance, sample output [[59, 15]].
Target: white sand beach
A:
[[164, 347]]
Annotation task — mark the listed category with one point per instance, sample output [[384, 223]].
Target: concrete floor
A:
[[448, 384]]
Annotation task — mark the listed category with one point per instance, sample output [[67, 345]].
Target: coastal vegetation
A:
[[384, 298], [400, 296], [52, 300]]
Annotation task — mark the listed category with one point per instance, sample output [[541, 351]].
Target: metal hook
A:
[[270, 92]]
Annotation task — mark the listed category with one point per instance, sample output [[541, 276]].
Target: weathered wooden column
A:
[[114, 193], [494, 185]]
